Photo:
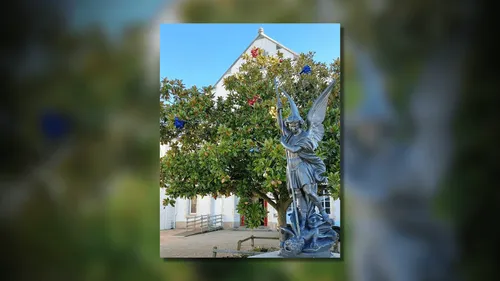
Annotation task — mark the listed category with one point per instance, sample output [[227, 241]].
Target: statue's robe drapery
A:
[[305, 166]]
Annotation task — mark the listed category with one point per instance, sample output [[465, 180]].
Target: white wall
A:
[[163, 149], [226, 206], [207, 205], [181, 206], [167, 213], [219, 206], [203, 207], [234, 213], [336, 210]]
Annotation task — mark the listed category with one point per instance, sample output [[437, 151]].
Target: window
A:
[[325, 202], [278, 47], [192, 205]]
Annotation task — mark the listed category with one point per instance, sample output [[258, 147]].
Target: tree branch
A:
[[265, 197], [276, 196]]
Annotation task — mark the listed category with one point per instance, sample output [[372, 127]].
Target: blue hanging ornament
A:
[[254, 150], [54, 125], [306, 70], [179, 124]]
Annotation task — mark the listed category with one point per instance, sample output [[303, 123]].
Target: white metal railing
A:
[[204, 223]]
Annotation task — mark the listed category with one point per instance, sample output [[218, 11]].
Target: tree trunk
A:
[[281, 217]]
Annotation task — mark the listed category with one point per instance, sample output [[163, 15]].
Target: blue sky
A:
[[199, 54]]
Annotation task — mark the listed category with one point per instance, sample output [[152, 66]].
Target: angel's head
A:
[[294, 123]]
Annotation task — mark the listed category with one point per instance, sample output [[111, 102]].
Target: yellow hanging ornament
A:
[[273, 112]]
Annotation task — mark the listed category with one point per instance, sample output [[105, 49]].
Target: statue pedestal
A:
[[275, 254]]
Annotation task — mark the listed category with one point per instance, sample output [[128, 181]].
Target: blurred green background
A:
[[84, 205]]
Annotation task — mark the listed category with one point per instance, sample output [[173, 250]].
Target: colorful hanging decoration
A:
[[54, 125], [255, 52], [254, 150], [253, 100], [306, 70], [178, 123], [273, 112]]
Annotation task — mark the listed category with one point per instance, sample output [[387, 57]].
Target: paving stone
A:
[[198, 246]]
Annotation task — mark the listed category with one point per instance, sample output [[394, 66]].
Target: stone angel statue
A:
[[305, 171]]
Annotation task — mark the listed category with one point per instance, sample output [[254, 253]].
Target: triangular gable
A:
[[261, 35]]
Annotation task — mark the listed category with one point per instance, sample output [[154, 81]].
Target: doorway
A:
[[264, 204], [264, 222]]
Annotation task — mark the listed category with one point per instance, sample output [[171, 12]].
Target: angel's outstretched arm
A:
[[281, 123]]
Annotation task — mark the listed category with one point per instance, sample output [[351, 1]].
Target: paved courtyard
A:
[[201, 245]]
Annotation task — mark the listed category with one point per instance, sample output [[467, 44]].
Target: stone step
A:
[[275, 254]]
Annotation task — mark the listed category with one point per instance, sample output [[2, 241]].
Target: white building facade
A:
[[175, 217]]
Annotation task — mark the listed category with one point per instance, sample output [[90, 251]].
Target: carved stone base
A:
[[323, 252], [274, 255]]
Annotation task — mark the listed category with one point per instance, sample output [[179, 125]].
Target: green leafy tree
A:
[[253, 211], [231, 145]]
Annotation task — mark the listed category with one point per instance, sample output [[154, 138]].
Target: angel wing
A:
[[317, 114]]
